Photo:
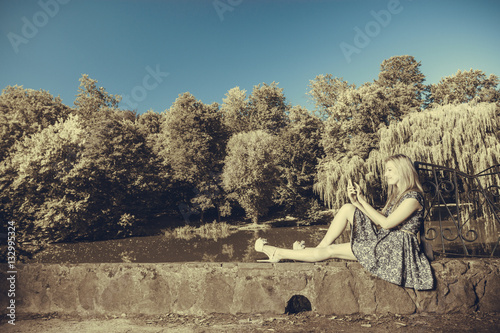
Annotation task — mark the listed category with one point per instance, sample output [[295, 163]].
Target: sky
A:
[[149, 51]]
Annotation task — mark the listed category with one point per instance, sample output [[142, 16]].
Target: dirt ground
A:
[[302, 322]]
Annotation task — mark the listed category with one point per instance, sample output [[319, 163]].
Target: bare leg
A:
[[313, 254], [344, 215]]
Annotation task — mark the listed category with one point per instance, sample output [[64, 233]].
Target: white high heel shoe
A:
[[299, 245], [259, 247]]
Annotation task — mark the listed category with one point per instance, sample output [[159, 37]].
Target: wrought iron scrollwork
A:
[[459, 204]]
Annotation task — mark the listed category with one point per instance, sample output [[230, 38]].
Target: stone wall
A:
[[198, 288]]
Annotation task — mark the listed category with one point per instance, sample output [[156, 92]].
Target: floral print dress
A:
[[393, 254]]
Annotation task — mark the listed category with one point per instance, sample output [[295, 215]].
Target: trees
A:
[[71, 182], [235, 111], [118, 173], [192, 138], [192, 145], [401, 69], [24, 112], [457, 136], [403, 82], [325, 92], [34, 183], [400, 81], [350, 135], [462, 137], [355, 117], [464, 87], [90, 98], [250, 171], [298, 150], [352, 126], [96, 171], [149, 125], [265, 109], [69, 175]]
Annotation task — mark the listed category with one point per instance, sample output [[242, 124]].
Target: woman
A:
[[384, 243]]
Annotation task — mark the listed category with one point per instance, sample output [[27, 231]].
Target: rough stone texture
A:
[[199, 288]]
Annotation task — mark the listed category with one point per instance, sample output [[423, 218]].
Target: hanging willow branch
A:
[[462, 137]]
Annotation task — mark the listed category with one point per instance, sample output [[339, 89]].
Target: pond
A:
[[237, 245], [233, 245]]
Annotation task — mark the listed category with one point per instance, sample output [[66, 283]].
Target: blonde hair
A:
[[408, 180]]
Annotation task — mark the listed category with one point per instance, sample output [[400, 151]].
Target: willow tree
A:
[[464, 137], [333, 176]]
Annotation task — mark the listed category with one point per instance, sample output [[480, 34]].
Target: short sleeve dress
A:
[[393, 254]]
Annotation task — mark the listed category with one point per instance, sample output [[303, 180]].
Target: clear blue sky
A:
[[208, 51]]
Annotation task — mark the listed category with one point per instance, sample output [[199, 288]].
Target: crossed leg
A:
[[325, 249]]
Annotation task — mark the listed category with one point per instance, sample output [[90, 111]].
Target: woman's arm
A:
[[401, 214]]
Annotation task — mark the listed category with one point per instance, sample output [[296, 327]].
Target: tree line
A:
[[96, 171]]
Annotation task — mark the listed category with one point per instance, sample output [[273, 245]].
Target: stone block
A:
[[364, 289], [293, 282], [390, 298], [218, 294], [156, 296], [64, 295], [490, 301], [334, 293], [452, 270], [185, 299], [119, 294], [461, 296], [258, 295], [87, 291]]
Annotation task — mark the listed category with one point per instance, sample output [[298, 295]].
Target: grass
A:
[[214, 231]]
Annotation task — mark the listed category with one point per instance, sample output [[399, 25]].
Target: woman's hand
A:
[[359, 194], [351, 193]]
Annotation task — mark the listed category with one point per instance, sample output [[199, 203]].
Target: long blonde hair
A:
[[408, 180]]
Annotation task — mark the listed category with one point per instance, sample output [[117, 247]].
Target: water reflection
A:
[[225, 246], [212, 231]]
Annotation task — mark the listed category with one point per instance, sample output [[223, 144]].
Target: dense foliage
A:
[[251, 172], [96, 171], [464, 137]]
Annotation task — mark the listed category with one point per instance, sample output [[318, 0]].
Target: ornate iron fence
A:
[[462, 211]]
